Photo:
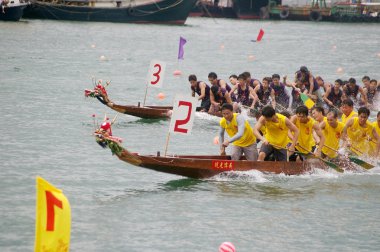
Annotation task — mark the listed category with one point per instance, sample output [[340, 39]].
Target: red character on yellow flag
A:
[[53, 219]]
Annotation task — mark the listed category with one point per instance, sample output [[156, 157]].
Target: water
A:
[[46, 130]]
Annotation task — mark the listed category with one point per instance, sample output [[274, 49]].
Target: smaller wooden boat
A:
[[146, 112], [202, 166]]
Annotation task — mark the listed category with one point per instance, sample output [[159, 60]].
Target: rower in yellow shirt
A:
[[376, 125], [275, 138], [347, 109], [332, 131], [240, 134], [360, 131], [318, 114], [306, 142]]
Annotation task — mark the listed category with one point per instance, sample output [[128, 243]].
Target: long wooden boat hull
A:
[[208, 166], [163, 11]]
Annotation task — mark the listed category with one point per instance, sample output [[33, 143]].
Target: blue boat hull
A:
[[13, 13]]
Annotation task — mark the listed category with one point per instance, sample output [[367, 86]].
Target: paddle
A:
[[330, 164], [355, 160], [223, 153]]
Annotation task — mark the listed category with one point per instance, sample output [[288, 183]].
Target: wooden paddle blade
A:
[[333, 165], [360, 162]]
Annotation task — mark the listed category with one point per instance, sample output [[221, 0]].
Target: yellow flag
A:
[[53, 219]]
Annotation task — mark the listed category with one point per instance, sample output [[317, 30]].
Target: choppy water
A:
[[46, 128]]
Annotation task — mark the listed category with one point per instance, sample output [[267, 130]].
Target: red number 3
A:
[[51, 201], [156, 74], [186, 120]]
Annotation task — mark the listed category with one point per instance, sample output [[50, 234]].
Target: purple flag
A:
[[182, 42]]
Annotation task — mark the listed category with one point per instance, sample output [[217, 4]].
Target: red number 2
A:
[[51, 201], [156, 74], [186, 120]]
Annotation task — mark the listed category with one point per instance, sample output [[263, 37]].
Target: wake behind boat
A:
[[139, 11]]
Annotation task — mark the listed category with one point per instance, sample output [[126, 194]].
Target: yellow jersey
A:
[[231, 128], [277, 132], [305, 138], [332, 137], [373, 142], [346, 118], [359, 137]]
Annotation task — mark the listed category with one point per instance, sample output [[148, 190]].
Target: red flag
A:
[[260, 35]]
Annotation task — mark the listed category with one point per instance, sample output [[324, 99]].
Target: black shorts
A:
[[278, 154], [302, 156]]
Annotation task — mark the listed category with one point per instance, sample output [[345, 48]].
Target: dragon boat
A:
[[147, 112], [203, 166]]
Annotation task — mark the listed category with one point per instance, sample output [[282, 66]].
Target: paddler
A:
[[360, 133], [203, 91], [240, 134], [245, 94], [333, 96], [347, 109], [306, 143], [376, 125], [275, 139], [332, 131], [264, 94], [351, 90], [218, 97]]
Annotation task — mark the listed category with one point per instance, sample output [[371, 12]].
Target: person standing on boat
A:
[[240, 134], [306, 143], [203, 91], [275, 139]]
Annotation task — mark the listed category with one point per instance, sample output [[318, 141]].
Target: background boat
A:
[[214, 9], [251, 9], [12, 10], [141, 11]]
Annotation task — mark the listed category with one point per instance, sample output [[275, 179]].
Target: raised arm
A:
[[256, 130], [295, 131], [273, 97], [203, 91], [319, 133]]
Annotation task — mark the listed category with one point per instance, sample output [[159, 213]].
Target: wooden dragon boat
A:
[[146, 112], [203, 166]]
